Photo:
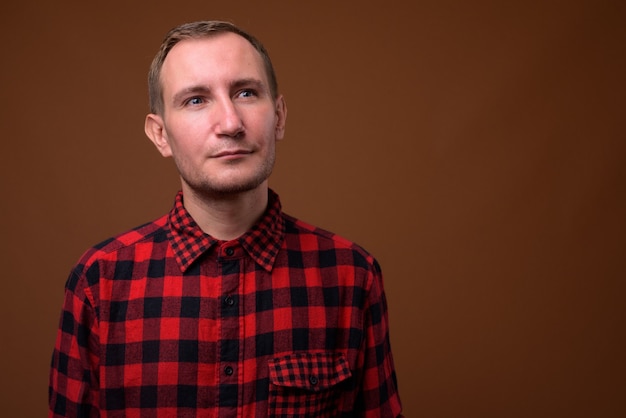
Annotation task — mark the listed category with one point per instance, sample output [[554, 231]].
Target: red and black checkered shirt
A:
[[165, 321]]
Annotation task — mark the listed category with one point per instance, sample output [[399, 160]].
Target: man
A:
[[226, 306]]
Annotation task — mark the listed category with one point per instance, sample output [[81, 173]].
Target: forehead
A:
[[210, 60]]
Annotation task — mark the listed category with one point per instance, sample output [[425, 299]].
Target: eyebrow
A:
[[236, 84], [178, 97], [252, 82]]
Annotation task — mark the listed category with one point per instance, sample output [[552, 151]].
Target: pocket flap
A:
[[309, 371]]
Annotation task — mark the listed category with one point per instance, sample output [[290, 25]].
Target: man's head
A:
[[197, 30], [217, 114]]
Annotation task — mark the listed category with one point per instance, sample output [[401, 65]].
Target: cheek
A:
[[184, 137], [266, 127], [185, 124]]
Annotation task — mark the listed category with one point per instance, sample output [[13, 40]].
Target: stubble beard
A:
[[208, 186]]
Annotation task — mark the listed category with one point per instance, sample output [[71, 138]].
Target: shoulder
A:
[[309, 238], [146, 233], [125, 246]]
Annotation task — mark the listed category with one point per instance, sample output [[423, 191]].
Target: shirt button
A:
[[313, 380], [229, 301], [228, 370], [230, 251]]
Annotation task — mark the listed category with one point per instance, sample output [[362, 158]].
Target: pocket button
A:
[[313, 380]]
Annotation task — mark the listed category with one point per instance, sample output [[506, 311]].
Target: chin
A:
[[229, 187]]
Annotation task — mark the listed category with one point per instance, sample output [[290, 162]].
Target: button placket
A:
[[232, 265]]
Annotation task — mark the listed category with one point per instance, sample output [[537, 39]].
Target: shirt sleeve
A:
[[379, 389], [73, 389]]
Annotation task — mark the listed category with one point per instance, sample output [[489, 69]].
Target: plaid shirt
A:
[[166, 321]]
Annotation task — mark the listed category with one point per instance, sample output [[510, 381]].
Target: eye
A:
[[194, 101], [247, 93]]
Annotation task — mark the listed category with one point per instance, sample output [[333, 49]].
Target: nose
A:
[[229, 122]]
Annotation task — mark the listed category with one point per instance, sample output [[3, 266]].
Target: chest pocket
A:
[[307, 384]]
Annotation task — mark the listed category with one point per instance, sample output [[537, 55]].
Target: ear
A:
[[281, 117], [155, 130]]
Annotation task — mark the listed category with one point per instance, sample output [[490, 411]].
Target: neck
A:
[[226, 216]]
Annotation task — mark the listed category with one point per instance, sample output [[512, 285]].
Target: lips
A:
[[231, 153]]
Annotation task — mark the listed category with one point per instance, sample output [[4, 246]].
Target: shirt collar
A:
[[262, 242]]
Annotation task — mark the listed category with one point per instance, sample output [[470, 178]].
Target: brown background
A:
[[476, 148]]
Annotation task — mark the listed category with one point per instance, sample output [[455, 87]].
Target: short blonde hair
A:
[[195, 30]]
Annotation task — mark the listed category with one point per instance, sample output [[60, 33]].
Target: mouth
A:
[[229, 154]]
